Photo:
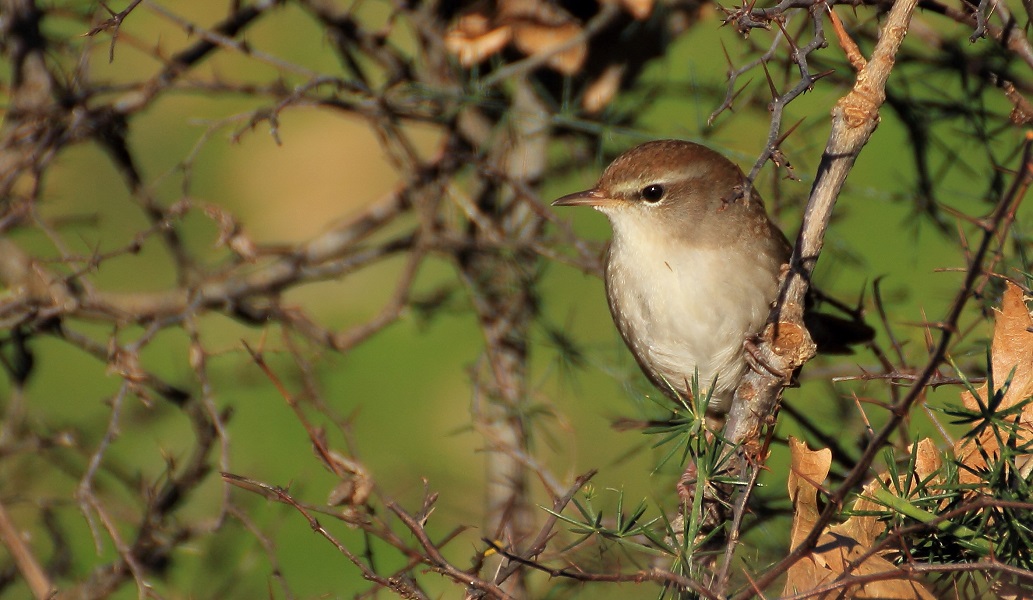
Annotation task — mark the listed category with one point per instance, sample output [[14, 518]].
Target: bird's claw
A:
[[756, 361]]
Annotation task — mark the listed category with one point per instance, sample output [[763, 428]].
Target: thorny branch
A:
[[470, 202], [899, 412], [788, 346], [854, 120], [779, 101]]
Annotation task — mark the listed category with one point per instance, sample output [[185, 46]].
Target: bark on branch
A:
[[787, 345]]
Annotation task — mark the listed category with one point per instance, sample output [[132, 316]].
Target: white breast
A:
[[682, 308]]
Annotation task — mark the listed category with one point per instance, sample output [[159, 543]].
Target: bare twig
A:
[[900, 410], [30, 568]]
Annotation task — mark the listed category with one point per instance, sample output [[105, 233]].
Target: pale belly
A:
[[690, 312]]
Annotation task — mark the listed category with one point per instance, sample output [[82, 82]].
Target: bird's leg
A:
[[756, 361]]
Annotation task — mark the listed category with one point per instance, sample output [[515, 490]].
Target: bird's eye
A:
[[653, 192]]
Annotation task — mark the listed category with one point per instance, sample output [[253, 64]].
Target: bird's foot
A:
[[756, 360]]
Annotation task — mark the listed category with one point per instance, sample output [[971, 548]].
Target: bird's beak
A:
[[592, 197]]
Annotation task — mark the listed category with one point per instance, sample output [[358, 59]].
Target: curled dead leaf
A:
[[545, 29], [807, 468], [639, 9], [846, 549], [535, 28], [1011, 356], [867, 528], [562, 44], [1012, 346], [473, 39], [839, 552], [601, 91]]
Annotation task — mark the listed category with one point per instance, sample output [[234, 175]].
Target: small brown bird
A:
[[693, 267]]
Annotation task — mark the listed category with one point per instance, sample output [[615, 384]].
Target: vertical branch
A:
[[854, 120], [28, 566], [502, 286], [22, 149]]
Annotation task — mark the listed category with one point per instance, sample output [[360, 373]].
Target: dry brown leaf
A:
[[534, 27], [542, 28], [839, 552], [533, 38], [928, 459], [844, 550], [863, 528], [1012, 348], [843, 555], [638, 9], [543, 12], [473, 38], [866, 529], [808, 467], [601, 91]]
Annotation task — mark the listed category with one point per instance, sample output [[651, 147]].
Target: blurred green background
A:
[[407, 390]]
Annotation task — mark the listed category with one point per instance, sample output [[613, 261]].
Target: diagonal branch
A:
[[855, 118], [786, 345]]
